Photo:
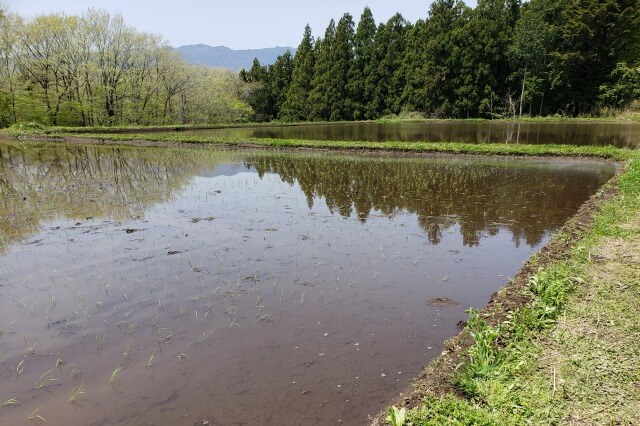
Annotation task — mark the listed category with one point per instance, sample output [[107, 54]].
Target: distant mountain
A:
[[221, 56]]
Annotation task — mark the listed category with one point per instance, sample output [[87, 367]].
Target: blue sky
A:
[[239, 24]]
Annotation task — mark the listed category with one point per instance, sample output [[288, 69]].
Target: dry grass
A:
[[595, 349]]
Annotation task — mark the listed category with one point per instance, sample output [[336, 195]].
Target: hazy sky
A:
[[239, 24]]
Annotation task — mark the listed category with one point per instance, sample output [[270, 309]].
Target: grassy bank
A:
[[626, 116], [569, 355], [416, 147]]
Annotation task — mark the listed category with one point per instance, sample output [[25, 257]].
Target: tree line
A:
[[502, 58], [94, 69]]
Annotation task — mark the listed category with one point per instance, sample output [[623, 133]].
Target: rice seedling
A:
[[132, 328], [155, 321], [114, 375], [126, 353], [35, 417], [21, 303], [260, 317], [182, 311], [206, 335], [75, 395], [100, 340], [151, 358], [443, 280], [19, 370], [11, 402], [258, 305], [45, 380], [59, 361], [233, 323], [166, 339]]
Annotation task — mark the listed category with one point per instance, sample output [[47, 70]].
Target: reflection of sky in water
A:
[[278, 286]]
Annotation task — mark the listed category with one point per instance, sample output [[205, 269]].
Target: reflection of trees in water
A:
[[81, 182], [601, 134], [482, 197]]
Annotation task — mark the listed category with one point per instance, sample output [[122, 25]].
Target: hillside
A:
[[221, 56]]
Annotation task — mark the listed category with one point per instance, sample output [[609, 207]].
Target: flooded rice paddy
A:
[[622, 135], [160, 286]]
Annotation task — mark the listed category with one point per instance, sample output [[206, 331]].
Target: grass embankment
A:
[[163, 128], [416, 147], [625, 116], [570, 354], [630, 116]]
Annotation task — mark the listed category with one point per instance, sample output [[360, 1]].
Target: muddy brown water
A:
[[622, 135], [166, 286]]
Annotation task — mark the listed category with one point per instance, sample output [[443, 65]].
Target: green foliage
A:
[[487, 357], [591, 36], [389, 50], [528, 55], [93, 69], [623, 86], [341, 59], [449, 411], [24, 128], [436, 80], [319, 99], [483, 67], [397, 416], [483, 355], [498, 59], [361, 86], [295, 106]]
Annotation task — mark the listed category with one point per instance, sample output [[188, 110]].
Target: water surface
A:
[[251, 287], [622, 135]]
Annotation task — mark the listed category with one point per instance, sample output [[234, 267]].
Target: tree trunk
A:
[[524, 79]]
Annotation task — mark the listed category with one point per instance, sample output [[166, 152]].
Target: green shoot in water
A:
[[153, 355], [19, 369], [44, 380], [11, 401], [114, 375], [59, 361], [75, 395], [35, 417]]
